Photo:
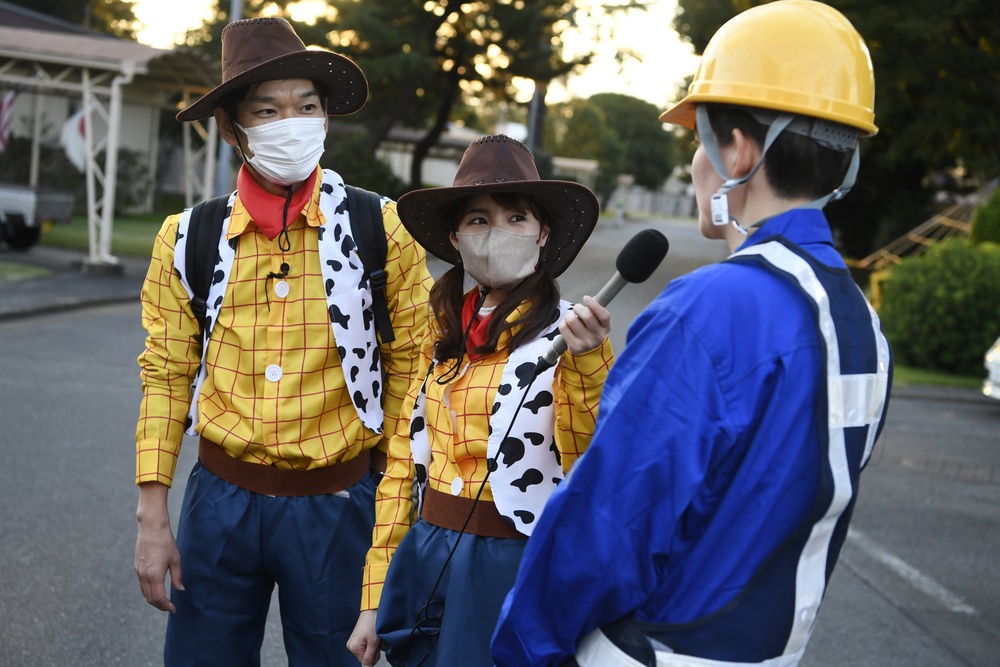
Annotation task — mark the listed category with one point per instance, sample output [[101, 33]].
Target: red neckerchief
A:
[[265, 208], [477, 333]]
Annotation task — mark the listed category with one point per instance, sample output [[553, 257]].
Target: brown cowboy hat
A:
[[500, 164], [266, 49]]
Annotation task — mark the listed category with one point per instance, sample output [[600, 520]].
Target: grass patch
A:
[[132, 236], [905, 375], [11, 271]]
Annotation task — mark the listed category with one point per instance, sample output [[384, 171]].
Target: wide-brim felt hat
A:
[[267, 49], [499, 164]]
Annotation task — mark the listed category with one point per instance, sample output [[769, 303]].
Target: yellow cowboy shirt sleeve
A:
[[308, 419], [458, 429]]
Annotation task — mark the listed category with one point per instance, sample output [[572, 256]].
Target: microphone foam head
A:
[[641, 255]]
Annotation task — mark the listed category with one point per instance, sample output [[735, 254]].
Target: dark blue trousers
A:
[[235, 545], [455, 629]]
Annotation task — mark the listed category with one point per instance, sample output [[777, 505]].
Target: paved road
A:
[[918, 584]]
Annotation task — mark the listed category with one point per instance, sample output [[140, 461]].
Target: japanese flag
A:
[[74, 139]]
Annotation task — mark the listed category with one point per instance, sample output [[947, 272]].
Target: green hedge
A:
[[986, 223], [941, 310]]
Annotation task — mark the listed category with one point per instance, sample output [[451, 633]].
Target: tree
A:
[[937, 93], [621, 132], [114, 17], [647, 143], [424, 59], [580, 129]]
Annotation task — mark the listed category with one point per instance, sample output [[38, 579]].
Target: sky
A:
[[666, 60]]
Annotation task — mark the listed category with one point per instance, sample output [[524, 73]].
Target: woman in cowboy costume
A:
[[487, 441]]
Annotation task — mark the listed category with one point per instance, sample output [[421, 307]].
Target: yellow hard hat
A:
[[797, 56]]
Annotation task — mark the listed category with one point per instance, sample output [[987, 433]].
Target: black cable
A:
[[491, 465], [279, 276], [284, 222]]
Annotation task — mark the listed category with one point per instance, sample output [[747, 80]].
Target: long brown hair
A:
[[540, 290]]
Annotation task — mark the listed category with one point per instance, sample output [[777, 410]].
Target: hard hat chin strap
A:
[[720, 200], [845, 186]]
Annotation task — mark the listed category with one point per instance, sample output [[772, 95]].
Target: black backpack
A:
[[205, 226]]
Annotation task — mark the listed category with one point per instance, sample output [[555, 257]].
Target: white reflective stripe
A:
[[810, 576], [597, 650], [856, 400], [883, 377], [664, 659]]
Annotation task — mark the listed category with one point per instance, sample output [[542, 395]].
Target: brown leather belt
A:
[[447, 511], [272, 481]]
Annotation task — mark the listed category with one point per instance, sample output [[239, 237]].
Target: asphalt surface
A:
[[923, 498], [75, 283]]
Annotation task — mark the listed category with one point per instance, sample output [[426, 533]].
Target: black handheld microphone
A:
[[635, 264]]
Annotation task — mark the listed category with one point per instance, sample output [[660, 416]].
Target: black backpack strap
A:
[[365, 210], [204, 229]]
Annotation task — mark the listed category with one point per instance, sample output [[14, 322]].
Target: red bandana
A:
[[477, 333], [265, 208]]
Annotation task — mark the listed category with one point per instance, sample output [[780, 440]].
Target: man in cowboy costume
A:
[[292, 394], [701, 527]]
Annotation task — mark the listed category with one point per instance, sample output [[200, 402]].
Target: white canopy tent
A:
[[98, 69]]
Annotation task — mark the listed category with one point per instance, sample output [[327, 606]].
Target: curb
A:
[[935, 393], [12, 315]]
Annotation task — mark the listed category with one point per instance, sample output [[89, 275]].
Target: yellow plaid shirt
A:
[[307, 419], [458, 430]]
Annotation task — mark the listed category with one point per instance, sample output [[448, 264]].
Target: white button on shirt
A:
[[456, 486], [273, 373], [281, 289]]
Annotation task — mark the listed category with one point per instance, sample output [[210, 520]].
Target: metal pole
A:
[[536, 101], [223, 176], [36, 138], [111, 163]]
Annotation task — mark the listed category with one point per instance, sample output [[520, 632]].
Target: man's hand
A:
[[155, 550], [586, 326], [364, 643]]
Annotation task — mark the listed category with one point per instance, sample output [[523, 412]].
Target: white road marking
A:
[[910, 574]]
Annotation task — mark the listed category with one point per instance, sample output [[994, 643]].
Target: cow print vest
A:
[[348, 296], [528, 465]]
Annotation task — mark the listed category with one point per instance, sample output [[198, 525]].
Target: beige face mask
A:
[[498, 259]]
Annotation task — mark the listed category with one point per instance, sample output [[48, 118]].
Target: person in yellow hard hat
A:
[[703, 523]]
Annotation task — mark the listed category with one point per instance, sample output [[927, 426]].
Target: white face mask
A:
[[498, 259], [286, 151]]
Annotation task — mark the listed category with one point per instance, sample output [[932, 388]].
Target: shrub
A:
[[986, 223], [941, 310], [56, 171]]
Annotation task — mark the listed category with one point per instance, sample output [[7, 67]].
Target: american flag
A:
[[6, 118]]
